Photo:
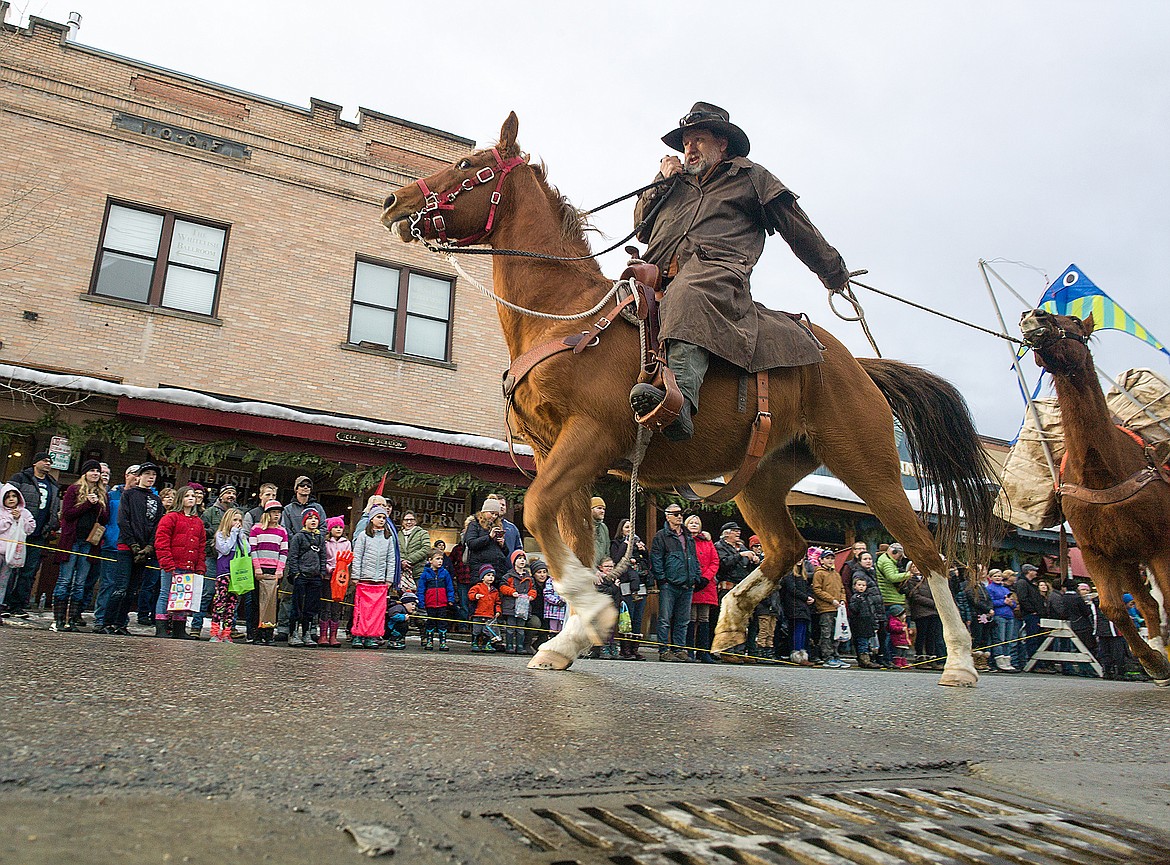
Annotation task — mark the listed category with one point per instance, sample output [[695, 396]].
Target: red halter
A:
[[432, 218]]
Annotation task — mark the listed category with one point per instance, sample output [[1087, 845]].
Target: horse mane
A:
[[574, 222]]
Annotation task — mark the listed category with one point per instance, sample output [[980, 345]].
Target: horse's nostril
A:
[[389, 202]]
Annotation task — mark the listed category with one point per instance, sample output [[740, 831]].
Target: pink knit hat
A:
[[333, 522], [813, 556]]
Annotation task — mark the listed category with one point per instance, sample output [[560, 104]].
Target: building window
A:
[[401, 310], [160, 259]]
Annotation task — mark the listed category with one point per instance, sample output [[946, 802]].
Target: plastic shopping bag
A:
[[841, 632]]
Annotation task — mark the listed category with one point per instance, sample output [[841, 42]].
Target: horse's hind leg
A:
[[1112, 578], [1159, 568], [862, 453], [561, 477], [762, 505]]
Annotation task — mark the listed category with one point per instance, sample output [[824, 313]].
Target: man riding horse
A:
[[706, 236]]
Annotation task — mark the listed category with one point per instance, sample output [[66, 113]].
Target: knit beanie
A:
[[309, 512], [597, 502], [485, 570], [515, 555], [378, 509], [334, 522], [813, 557], [537, 565], [89, 465], [753, 540], [493, 506]]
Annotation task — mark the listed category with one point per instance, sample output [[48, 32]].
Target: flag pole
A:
[[983, 268]]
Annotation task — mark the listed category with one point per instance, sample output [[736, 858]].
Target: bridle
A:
[[430, 217], [1049, 334]]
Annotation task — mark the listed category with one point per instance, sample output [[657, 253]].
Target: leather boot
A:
[[864, 662]]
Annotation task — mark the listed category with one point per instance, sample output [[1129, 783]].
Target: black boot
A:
[[60, 610], [161, 627], [644, 398]]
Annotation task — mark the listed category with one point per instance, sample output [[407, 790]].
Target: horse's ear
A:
[[508, 135], [1088, 324]]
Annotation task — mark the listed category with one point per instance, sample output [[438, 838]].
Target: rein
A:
[[457, 247]]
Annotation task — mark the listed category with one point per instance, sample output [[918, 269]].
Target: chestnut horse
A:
[[574, 411], [1120, 523]]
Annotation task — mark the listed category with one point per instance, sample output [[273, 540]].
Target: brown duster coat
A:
[[708, 235]]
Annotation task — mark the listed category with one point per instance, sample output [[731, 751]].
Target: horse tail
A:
[[954, 471]]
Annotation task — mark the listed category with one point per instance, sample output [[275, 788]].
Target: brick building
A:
[[186, 263]]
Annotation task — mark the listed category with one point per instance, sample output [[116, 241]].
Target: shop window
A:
[[160, 259], [401, 310]]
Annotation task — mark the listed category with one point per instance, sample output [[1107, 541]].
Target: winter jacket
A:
[[112, 533], [601, 541], [920, 600], [1077, 611], [863, 614], [708, 570], [827, 589], [514, 584], [486, 600], [269, 548], [180, 543], [78, 517], [794, 595], [435, 590], [26, 481], [979, 599], [890, 580], [1031, 601], [212, 516], [613, 590], [482, 548], [333, 546], [376, 559], [139, 513], [225, 548], [634, 580], [732, 566], [673, 560], [11, 527], [554, 605], [292, 518], [459, 569], [415, 547], [772, 605], [306, 555], [998, 594], [899, 637]]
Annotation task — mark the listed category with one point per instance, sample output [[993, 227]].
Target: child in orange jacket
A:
[[485, 601]]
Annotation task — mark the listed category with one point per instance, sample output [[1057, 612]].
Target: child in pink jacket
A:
[[16, 524]]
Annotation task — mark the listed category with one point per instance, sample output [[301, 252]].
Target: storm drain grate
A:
[[861, 826]]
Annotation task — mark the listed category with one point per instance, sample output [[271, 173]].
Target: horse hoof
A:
[[728, 640], [546, 659], [957, 677], [600, 626], [1162, 683]]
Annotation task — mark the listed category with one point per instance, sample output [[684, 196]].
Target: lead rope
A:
[[641, 443], [487, 292]]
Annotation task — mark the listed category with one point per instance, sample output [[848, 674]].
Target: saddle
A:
[[637, 300]]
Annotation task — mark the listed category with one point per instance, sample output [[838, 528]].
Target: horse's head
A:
[[458, 204], [1060, 342]]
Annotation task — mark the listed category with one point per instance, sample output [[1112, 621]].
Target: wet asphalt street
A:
[[284, 745]]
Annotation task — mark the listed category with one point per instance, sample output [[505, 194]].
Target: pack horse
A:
[[571, 407]]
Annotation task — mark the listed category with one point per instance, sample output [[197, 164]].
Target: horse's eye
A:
[[464, 164]]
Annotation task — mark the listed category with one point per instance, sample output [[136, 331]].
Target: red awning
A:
[[1076, 564]]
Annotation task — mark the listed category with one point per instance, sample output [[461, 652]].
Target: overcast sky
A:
[[921, 136]]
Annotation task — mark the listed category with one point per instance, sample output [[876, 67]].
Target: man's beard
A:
[[699, 168]]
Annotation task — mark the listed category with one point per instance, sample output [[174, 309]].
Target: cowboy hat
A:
[[704, 115]]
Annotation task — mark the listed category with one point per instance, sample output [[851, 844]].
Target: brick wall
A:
[[301, 207]]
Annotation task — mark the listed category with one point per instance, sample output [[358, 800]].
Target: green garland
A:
[[167, 449]]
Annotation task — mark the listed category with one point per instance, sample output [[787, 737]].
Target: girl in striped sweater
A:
[[269, 544]]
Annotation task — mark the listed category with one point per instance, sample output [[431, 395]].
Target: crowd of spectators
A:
[[289, 573]]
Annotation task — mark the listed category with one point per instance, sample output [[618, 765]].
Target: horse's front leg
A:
[[559, 492]]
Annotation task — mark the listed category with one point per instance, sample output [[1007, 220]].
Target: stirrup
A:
[[667, 411]]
